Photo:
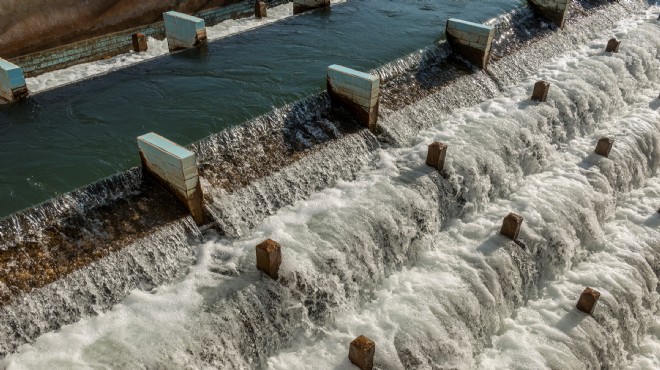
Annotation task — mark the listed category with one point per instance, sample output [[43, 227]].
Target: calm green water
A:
[[62, 139]]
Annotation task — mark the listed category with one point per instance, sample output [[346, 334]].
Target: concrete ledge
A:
[[553, 10], [12, 81], [471, 41], [356, 91], [184, 31], [300, 6], [175, 167]]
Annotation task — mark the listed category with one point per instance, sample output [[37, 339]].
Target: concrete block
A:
[[553, 10], [436, 155], [176, 168], [12, 82], [357, 91], [184, 31], [471, 41], [269, 257], [588, 300], [139, 42], [511, 226], [260, 9], [604, 146], [361, 352], [540, 92], [613, 46], [300, 6]]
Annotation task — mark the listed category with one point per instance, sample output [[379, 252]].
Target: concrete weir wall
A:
[[471, 41], [110, 44], [12, 81], [176, 168], [554, 10]]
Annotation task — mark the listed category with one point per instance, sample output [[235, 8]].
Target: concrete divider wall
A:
[[554, 10], [356, 90], [183, 30], [120, 42], [176, 167], [12, 81], [472, 41]]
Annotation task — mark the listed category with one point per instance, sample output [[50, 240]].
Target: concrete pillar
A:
[[184, 31], [588, 300], [12, 81], [511, 226], [540, 93], [356, 91], [361, 352], [139, 42], [613, 46], [436, 155], [604, 146], [269, 257], [553, 10], [300, 6], [471, 41], [176, 168], [260, 9]]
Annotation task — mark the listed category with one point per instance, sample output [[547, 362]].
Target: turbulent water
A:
[[376, 243]]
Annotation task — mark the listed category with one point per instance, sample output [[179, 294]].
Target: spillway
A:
[[375, 242]]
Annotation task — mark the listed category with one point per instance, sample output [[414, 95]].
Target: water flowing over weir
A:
[[384, 226]]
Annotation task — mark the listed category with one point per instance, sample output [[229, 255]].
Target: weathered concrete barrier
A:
[[511, 226], [588, 300], [12, 81], [553, 10], [435, 157], [604, 146], [269, 257], [471, 41], [183, 31], [361, 352], [612, 46], [356, 91], [300, 6], [540, 92], [260, 9], [139, 42], [176, 168]]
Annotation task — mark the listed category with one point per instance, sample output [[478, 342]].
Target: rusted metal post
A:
[[588, 300], [269, 257], [361, 352], [613, 46], [511, 226], [139, 42], [540, 92], [260, 9], [604, 146], [436, 155]]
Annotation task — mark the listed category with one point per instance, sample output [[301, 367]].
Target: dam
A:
[[380, 243]]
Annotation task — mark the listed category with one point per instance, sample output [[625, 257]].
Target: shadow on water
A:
[[653, 221]]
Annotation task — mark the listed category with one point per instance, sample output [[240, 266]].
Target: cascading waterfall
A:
[[394, 249]]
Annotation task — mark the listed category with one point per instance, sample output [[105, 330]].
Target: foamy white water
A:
[[410, 259]]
